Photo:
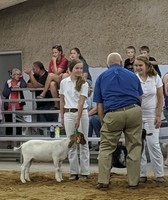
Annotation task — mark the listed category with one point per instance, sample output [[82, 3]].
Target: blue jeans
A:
[[165, 112], [94, 125]]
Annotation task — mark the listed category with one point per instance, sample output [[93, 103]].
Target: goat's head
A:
[[77, 138]]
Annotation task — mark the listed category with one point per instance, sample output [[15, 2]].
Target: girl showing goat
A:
[[74, 115]]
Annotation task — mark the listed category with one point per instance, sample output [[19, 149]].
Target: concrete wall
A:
[[97, 27]]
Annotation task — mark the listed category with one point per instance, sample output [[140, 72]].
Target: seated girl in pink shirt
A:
[[57, 66]]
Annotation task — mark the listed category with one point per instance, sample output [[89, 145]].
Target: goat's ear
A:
[[71, 143], [82, 138]]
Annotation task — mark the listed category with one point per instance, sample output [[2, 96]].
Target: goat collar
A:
[[75, 134]]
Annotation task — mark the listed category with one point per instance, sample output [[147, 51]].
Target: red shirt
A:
[[62, 64], [14, 95]]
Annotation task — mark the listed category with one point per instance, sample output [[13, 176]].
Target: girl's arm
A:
[[54, 59], [80, 110], [57, 70], [159, 107], [93, 111], [62, 110]]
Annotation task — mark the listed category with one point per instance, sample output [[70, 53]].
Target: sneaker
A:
[[160, 179], [73, 177], [102, 186], [83, 177], [143, 179]]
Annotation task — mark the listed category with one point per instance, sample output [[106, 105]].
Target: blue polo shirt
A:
[[116, 88]]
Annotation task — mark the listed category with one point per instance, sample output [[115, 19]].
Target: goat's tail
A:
[[17, 148]]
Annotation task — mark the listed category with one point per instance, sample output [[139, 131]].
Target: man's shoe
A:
[[73, 177], [133, 186], [102, 186], [143, 179], [160, 179]]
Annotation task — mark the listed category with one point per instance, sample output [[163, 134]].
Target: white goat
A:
[[42, 150]]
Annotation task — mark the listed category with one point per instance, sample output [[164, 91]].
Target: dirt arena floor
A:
[[44, 187]]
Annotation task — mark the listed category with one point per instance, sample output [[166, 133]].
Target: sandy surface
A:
[[44, 187]]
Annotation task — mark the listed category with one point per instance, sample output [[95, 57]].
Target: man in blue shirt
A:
[[118, 96]]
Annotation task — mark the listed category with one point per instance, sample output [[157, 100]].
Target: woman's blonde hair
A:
[[149, 67], [80, 80]]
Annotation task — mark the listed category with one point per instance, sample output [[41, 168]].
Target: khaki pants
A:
[[127, 121]]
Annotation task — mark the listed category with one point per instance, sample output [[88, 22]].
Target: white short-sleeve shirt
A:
[[71, 95], [149, 87]]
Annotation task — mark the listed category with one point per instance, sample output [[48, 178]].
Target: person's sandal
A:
[[40, 97]]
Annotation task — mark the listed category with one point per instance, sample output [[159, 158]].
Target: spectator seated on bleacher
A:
[[37, 79], [57, 67]]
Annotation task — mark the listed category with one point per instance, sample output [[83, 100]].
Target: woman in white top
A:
[[152, 103], [74, 115]]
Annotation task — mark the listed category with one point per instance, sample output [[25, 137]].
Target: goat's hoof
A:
[[58, 180], [27, 179]]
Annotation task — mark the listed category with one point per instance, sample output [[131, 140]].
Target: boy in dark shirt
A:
[[144, 50], [129, 62]]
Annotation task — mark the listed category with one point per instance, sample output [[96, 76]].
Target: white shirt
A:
[[149, 97], [71, 95]]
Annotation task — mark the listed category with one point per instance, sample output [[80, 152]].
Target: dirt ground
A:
[[44, 187]]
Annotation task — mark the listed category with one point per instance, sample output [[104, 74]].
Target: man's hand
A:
[[28, 71]]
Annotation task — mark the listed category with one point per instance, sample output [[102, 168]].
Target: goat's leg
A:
[[56, 165], [27, 171], [23, 170], [60, 170]]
